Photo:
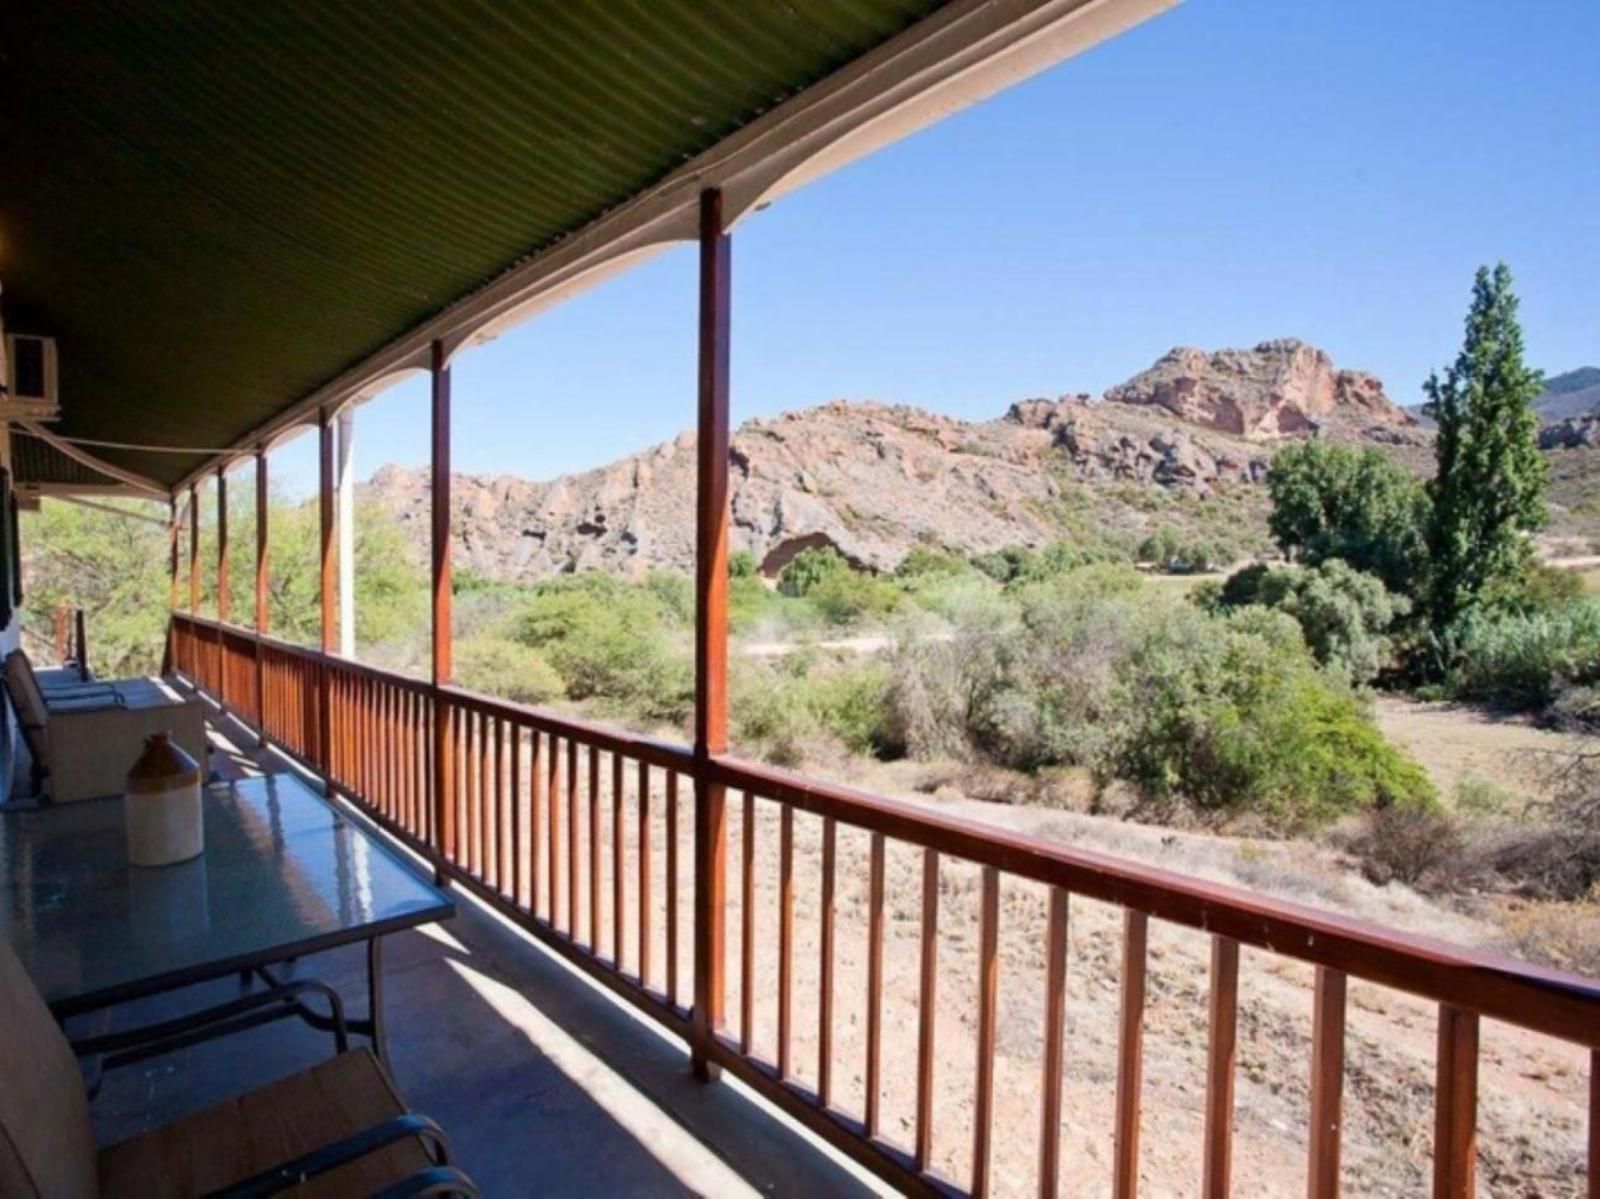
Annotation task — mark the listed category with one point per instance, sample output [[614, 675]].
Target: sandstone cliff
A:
[[875, 480]]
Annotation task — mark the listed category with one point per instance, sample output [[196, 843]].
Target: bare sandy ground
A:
[[1457, 742]]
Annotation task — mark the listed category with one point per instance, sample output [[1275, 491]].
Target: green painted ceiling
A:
[[217, 207]]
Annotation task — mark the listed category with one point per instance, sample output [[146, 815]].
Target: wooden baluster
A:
[[644, 875], [927, 1006], [1327, 1083], [594, 850], [672, 885], [553, 794], [1455, 1111], [988, 998], [574, 857], [747, 922], [536, 785], [485, 803], [1055, 1014], [519, 838], [504, 868], [1130, 1053], [785, 940], [475, 779], [409, 702], [618, 856], [1221, 1055], [825, 995], [1594, 1124], [874, 1079]]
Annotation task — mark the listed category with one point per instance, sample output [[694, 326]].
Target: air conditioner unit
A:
[[31, 371]]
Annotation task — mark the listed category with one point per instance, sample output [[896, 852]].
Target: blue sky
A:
[[1232, 171]]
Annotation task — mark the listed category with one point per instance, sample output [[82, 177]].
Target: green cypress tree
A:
[[1489, 489]]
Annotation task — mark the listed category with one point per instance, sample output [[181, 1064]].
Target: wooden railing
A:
[[586, 836]]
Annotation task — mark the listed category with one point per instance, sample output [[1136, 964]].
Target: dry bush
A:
[[1555, 853], [1420, 847]]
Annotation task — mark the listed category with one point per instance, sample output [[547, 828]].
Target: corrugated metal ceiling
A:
[[216, 208]]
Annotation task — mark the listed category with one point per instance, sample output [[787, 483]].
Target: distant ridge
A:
[[1185, 442], [1574, 393]]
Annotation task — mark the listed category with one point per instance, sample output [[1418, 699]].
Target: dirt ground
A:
[[1457, 742], [1533, 1090]]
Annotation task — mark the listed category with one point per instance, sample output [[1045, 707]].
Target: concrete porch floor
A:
[[544, 1083]]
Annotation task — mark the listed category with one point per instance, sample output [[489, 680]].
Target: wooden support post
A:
[[261, 616], [329, 589], [224, 574], [344, 509], [711, 633], [174, 531], [194, 550], [223, 583], [444, 770]]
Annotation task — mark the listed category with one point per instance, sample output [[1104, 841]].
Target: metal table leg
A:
[[380, 1048]]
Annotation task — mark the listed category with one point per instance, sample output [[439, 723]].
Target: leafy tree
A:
[[1343, 613], [808, 568], [1330, 501], [113, 567], [1489, 489]]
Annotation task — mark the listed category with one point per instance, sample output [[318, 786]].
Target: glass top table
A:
[[283, 875]]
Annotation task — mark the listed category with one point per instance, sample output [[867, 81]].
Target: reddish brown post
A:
[[83, 643], [444, 769], [223, 583], [173, 531], [1455, 1137], [194, 551], [60, 634], [261, 620], [224, 574], [330, 577], [711, 631]]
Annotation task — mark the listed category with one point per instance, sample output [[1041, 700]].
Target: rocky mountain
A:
[[1572, 394], [1280, 387], [875, 480]]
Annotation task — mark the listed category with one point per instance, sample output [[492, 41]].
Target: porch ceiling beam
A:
[[962, 53]]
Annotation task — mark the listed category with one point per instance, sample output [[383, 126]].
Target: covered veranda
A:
[[236, 224]]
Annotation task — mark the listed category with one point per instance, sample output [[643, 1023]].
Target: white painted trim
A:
[[82, 456], [963, 53]]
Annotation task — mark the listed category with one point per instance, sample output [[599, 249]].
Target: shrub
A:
[[809, 568], [1417, 846], [1169, 550], [741, 565], [922, 562], [781, 711], [1015, 562], [750, 601], [608, 641], [1523, 659], [509, 669], [1227, 713], [851, 704], [1343, 614], [848, 596]]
